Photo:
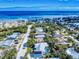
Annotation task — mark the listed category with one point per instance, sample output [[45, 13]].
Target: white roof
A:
[[41, 46], [54, 58], [73, 53], [40, 36], [7, 43], [14, 35], [39, 29], [50, 58]]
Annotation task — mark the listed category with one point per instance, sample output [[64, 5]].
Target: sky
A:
[[39, 5]]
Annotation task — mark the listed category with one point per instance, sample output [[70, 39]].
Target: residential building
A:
[[40, 49]]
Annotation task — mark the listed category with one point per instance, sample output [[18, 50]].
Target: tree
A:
[[77, 37], [77, 48], [31, 43], [69, 57], [29, 50], [10, 54]]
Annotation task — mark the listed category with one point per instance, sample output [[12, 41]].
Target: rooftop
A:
[[36, 54], [73, 53], [39, 29], [54, 58], [39, 50], [41, 46], [40, 36], [9, 40], [58, 35], [7, 43], [14, 35]]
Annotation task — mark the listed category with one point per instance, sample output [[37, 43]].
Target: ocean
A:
[[25, 14]]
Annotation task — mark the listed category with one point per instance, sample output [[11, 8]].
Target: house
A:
[[40, 49], [9, 40], [73, 53], [40, 46], [40, 36], [14, 35], [51, 58], [36, 54], [64, 43], [8, 43], [57, 35], [39, 30]]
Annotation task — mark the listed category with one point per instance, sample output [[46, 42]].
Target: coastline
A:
[[15, 18]]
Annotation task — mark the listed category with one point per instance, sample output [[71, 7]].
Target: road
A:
[[22, 51]]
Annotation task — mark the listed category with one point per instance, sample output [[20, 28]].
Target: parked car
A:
[[24, 45], [16, 41], [21, 57]]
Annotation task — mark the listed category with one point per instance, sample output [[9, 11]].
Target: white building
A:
[[41, 47], [73, 53], [39, 30]]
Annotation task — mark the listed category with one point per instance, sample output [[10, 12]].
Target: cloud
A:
[[40, 8], [64, 0], [39, 5]]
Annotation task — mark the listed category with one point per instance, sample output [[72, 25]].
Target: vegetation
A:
[[10, 54], [2, 47], [25, 57], [29, 50], [71, 41], [77, 49], [77, 37], [5, 32], [56, 50], [31, 43]]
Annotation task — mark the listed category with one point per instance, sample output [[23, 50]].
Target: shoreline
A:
[[15, 18]]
